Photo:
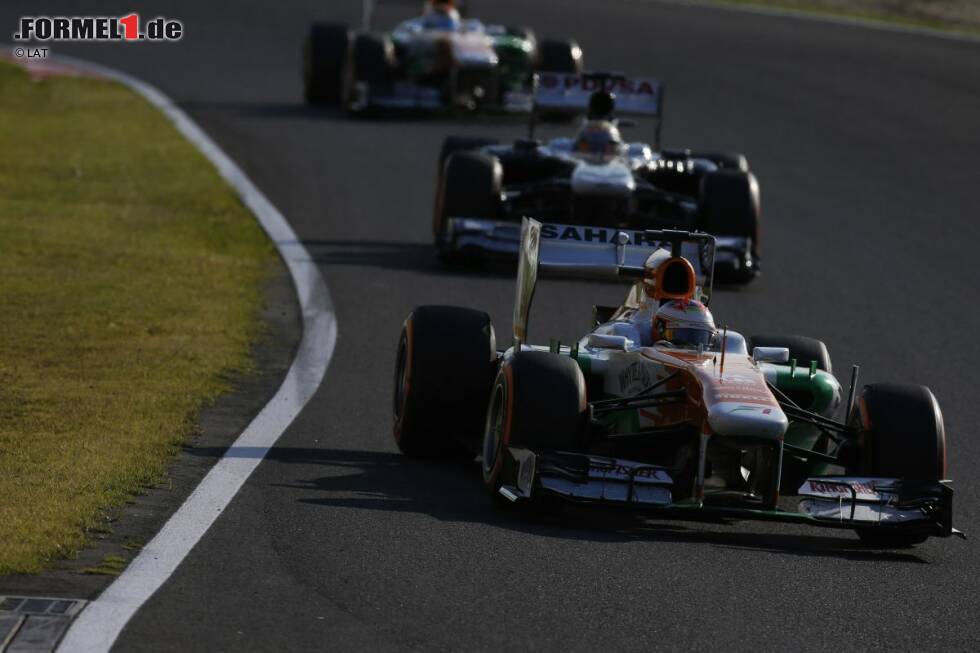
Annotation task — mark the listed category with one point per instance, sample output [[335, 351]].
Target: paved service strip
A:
[[101, 622]]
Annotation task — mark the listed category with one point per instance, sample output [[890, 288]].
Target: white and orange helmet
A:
[[598, 141], [684, 323]]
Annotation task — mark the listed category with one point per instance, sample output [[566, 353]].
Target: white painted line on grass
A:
[[803, 14], [101, 622]]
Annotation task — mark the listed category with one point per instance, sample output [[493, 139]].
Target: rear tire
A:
[[538, 401], [560, 57], [725, 160], [902, 436], [453, 144], [801, 348], [444, 370], [471, 186], [325, 54]]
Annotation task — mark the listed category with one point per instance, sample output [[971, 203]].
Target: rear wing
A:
[[572, 93], [368, 7], [601, 253]]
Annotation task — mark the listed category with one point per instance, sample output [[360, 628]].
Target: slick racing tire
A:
[[471, 187], [902, 436], [453, 144], [538, 401], [724, 160], [801, 348], [325, 55], [560, 57], [522, 32], [730, 204], [444, 369]]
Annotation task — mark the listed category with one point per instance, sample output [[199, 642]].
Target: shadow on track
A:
[[299, 111], [452, 491], [395, 255]]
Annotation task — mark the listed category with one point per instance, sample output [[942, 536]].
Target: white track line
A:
[[803, 14], [99, 624]]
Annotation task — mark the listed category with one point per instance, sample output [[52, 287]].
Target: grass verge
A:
[[956, 16], [130, 288]]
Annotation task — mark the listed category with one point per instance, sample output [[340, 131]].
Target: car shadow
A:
[[397, 255], [300, 111], [452, 491]]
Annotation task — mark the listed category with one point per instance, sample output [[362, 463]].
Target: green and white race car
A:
[[436, 61], [680, 419]]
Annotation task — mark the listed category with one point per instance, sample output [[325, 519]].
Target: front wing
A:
[[897, 505]]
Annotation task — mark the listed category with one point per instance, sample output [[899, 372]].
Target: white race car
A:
[[595, 178]]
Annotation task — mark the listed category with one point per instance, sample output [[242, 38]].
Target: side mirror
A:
[[770, 354]]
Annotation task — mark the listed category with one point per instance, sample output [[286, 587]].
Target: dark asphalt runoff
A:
[[866, 145]]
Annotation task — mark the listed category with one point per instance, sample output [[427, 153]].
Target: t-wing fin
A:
[[603, 253]]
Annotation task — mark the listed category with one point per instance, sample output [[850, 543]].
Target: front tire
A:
[[471, 187], [730, 206], [538, 401], [444, 368], [902, 435], [325, 55]]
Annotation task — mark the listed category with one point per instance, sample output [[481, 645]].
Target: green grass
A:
[[110, 566], [130, 291], [899, 14]]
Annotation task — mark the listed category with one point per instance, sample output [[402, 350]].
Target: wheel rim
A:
[[494, 431]]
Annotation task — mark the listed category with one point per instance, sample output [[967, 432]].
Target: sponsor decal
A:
[[634, 377], [618, 86], [98, 28], [742, 396], [622, 471], [598, 235], [841, 489]]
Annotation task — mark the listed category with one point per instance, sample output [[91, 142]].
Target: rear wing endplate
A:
[[601, 253]]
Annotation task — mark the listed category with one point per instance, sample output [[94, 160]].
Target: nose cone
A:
[[733, 418]]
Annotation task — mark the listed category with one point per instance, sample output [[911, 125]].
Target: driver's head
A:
[[684, 323], [598, 140], [441, 15]]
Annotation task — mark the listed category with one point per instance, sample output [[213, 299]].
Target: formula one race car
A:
[[657, 409], [485, 189], [436, 61]]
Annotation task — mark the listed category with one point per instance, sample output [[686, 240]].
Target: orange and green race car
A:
[[680, 419]]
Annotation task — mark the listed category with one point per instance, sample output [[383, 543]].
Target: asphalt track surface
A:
[[865, 144]]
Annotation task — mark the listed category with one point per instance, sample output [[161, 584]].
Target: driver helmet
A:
[[441, 15], [684, 323], [598, 140]]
